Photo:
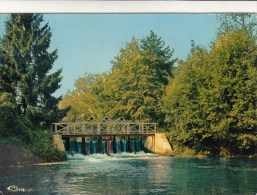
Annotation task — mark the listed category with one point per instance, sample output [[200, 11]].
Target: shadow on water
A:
[[141, 173]]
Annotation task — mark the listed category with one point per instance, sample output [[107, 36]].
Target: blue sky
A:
[[88, 42]]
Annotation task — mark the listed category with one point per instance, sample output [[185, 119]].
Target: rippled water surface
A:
[[135, 174]]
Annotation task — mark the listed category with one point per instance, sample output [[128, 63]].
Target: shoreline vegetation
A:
[[185, 152], [22, 143], [207, 104], [27, 83]]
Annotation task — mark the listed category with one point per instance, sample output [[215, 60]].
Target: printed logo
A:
[[14, 188]]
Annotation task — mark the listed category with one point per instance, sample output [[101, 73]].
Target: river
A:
[[139, 173]]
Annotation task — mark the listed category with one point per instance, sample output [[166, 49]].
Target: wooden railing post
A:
[[126, 128], [105, 128], [83, 128], [68, 129], [99, 128]]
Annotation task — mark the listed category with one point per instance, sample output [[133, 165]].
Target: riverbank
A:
[[21, 141], [16, 155], [20, 154], [185, 152]]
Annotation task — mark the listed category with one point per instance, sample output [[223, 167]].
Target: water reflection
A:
[[136, 174]]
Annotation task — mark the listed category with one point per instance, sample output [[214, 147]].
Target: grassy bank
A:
[[36, 148], [20, 141], [186, 152]]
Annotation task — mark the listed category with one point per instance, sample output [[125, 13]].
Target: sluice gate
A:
[[108, 137]]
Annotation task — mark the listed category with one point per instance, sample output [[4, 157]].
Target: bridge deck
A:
[[104, 129]]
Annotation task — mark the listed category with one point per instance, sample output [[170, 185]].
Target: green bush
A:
[[16, 130], [41, 147], [10, 123]]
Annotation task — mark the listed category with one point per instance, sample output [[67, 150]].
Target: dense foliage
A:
[[24, 69], [34, 144], [132, 89], [208, 102], [211, 103], [83, 101], [26, 86]]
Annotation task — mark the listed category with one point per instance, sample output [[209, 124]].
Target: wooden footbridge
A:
[[106, 130], [112, 128]]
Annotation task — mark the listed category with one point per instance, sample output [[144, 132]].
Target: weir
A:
[[93, 146], [92, 137]]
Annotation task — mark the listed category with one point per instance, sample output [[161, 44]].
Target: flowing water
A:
[[130, 173]]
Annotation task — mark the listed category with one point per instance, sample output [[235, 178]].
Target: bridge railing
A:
[[104, 128]]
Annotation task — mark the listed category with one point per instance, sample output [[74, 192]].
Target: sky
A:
[[87, 43]]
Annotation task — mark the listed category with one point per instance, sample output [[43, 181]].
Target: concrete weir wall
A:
[[58, 143], [158, 144]]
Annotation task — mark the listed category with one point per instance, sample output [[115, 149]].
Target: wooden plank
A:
[[107, 135], [98, 128], [104, 123]]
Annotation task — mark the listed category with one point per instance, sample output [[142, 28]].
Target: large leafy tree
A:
[[183, 102], [83, 101], [132, 89], [234, 86], [138, 78], [157, 56], [25, 66], [127, 88], [238, 21], [211, 103]]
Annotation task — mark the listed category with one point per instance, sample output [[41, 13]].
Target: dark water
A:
[[135, 174]]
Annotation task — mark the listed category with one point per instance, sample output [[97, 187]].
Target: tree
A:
[[134, 87], [211, 103], [128, 85], [10, 124], [83, 101], [238, 21], [25, 66], [183, 103], [233, 60], [158, 57]]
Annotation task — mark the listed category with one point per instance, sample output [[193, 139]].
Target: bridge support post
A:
[[84, 146], [91, 145], [67, 144], [76, 147], [129, 149], [141, 143], [99, 145], [107, 142], [114, 145]]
